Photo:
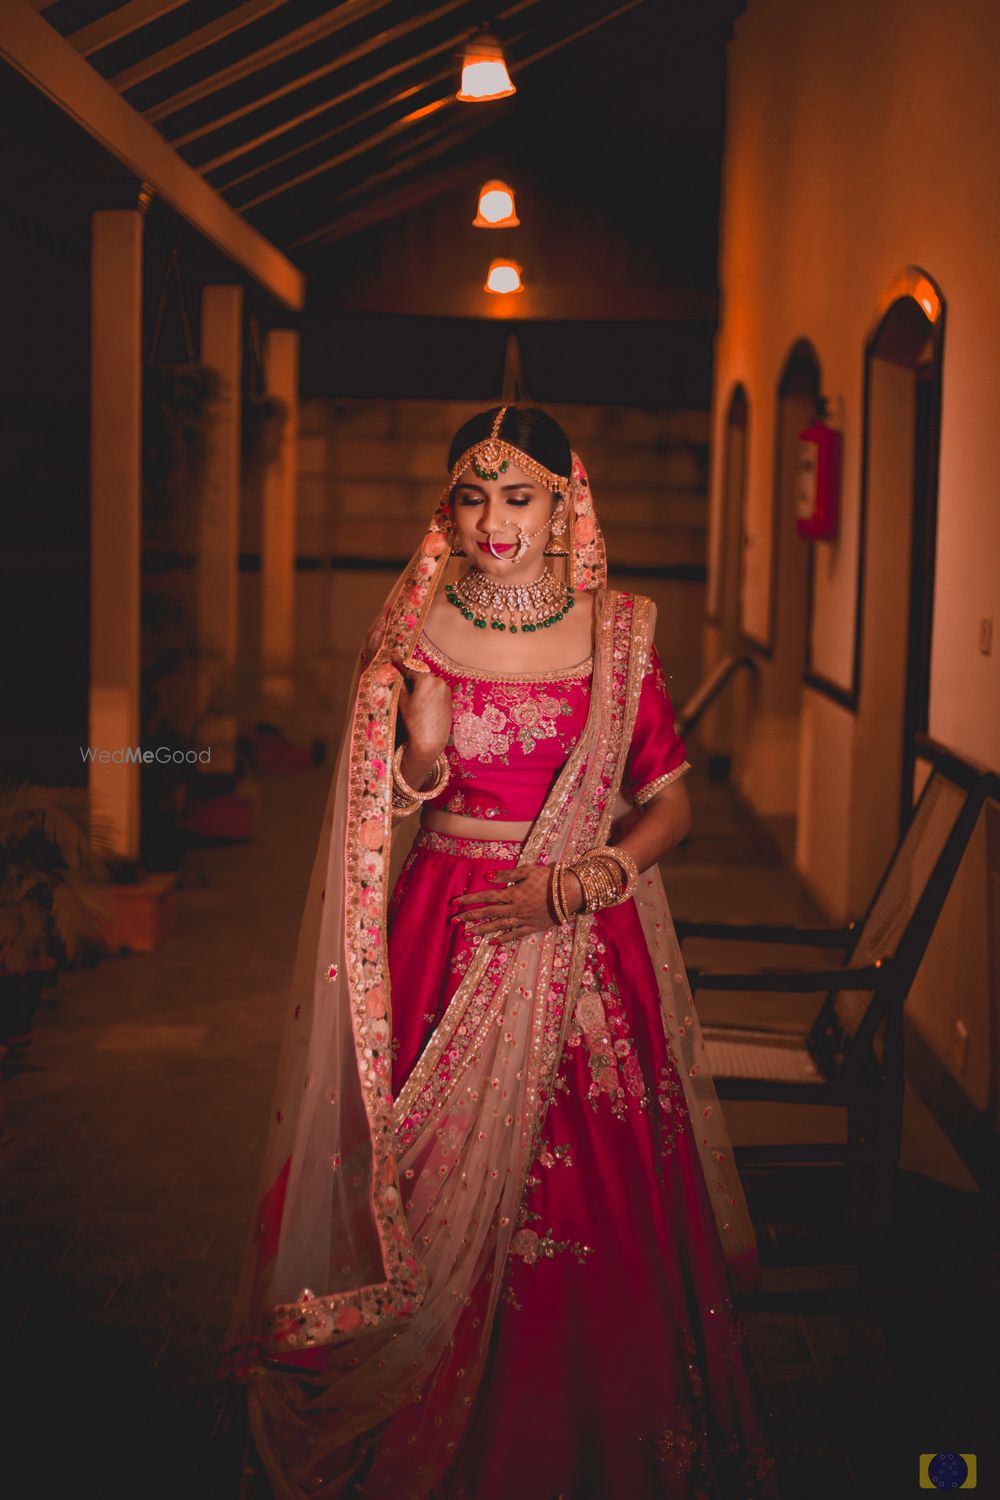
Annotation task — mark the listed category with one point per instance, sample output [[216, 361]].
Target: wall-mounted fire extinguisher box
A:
[[817, 481]]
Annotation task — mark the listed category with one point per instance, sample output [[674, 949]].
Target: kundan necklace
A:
[[510, 606]]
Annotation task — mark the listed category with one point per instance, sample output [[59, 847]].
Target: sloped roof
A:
[[315, 120]]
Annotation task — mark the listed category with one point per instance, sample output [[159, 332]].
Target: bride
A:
[[499, 1225]]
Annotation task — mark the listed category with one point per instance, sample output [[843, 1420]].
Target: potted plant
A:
[[178, 405], [49, 855], [264, 419]]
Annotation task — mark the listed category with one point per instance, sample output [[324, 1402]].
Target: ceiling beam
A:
[[373, 141], [287, 45], [295, 122], [433, 144], [339, 101], [563, 302], [360, 148], [195, 41], [382, 206], [356, 54], [352, 123], [121, 22], [56, 71]]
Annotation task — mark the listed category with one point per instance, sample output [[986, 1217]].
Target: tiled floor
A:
[[129, 1157]]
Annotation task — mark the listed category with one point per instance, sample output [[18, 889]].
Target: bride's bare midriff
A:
[[473, 828]]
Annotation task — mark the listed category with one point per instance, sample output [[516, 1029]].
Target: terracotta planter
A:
[[137, 917]]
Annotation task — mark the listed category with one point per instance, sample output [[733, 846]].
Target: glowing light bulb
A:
[[504, 277], [484, 71], [496, 207]]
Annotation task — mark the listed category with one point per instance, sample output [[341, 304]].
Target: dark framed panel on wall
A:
[[746, 639], [722, 604], [796, 405], [907, 332]]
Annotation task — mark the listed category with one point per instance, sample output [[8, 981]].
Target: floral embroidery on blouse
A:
[[511, 716]]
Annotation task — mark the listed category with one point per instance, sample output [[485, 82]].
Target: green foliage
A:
[[177, 408], [264, 420], [49, 855]]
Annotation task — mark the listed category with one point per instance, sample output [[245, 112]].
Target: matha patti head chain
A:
[[491, 457]]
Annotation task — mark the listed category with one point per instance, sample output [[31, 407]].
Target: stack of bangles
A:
[[404, 798], [608, 876]]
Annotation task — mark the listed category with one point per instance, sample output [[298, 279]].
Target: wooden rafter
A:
[[36, 52], [373, 141], [380, 206], [196, 41], [431, 146], [360, 148], [318, 140], [120, 22], [298, 40], [385, 76], [296, 121], [356, 54]]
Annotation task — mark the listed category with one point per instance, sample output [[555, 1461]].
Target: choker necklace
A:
[[510, 606]]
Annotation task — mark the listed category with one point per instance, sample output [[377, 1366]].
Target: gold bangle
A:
[[570, 913], [607, 876], [409, 793], [555, 891], [628, 866]]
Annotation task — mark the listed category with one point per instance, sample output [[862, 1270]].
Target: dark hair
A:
[[527, 427]]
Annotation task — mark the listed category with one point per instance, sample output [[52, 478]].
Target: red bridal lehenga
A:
[[500, 1227]]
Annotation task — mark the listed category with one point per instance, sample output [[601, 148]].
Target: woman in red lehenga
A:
[[500, 1226]]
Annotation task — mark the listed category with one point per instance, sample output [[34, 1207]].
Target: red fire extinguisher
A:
[[817, 484]]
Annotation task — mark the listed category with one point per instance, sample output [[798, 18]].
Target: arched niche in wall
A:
[[724, 575], [898, 526], [796, 405]]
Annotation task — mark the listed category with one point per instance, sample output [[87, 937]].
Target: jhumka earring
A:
[[456, 551], [553, 548]]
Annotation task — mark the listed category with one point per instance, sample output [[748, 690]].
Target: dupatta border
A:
[[360, 960], [622, 625]]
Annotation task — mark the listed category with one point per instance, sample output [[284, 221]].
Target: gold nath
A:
[[492, 456]]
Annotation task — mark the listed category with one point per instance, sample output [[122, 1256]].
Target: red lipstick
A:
[[497, 546]]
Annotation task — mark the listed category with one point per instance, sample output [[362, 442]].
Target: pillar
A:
[[115, 521], [279, 528], [218, 531]]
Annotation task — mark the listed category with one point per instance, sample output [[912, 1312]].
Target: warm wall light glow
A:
[[496, 207], [484, 72], [503, 276]]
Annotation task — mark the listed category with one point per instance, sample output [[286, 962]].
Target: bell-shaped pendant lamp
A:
[[484, 71], [503, 277], [496, 206]]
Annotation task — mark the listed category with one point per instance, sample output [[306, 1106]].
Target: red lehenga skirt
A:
[[618, 1367]]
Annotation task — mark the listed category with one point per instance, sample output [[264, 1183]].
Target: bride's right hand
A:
[[425, 706]]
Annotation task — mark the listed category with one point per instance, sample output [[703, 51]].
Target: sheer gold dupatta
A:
[[331, 1256], [467, 1124], [380, 1218]]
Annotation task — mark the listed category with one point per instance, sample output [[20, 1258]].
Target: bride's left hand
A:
[[519, 909]]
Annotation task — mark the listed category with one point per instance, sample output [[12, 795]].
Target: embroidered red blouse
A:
[[512, 733]]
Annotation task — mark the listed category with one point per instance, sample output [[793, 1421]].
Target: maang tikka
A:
[[490, 458]]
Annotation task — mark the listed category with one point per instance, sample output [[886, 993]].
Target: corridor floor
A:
[[129, 1154]]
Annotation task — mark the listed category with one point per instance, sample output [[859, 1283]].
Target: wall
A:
[[859, 140], [835, 178], [371, 473]]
